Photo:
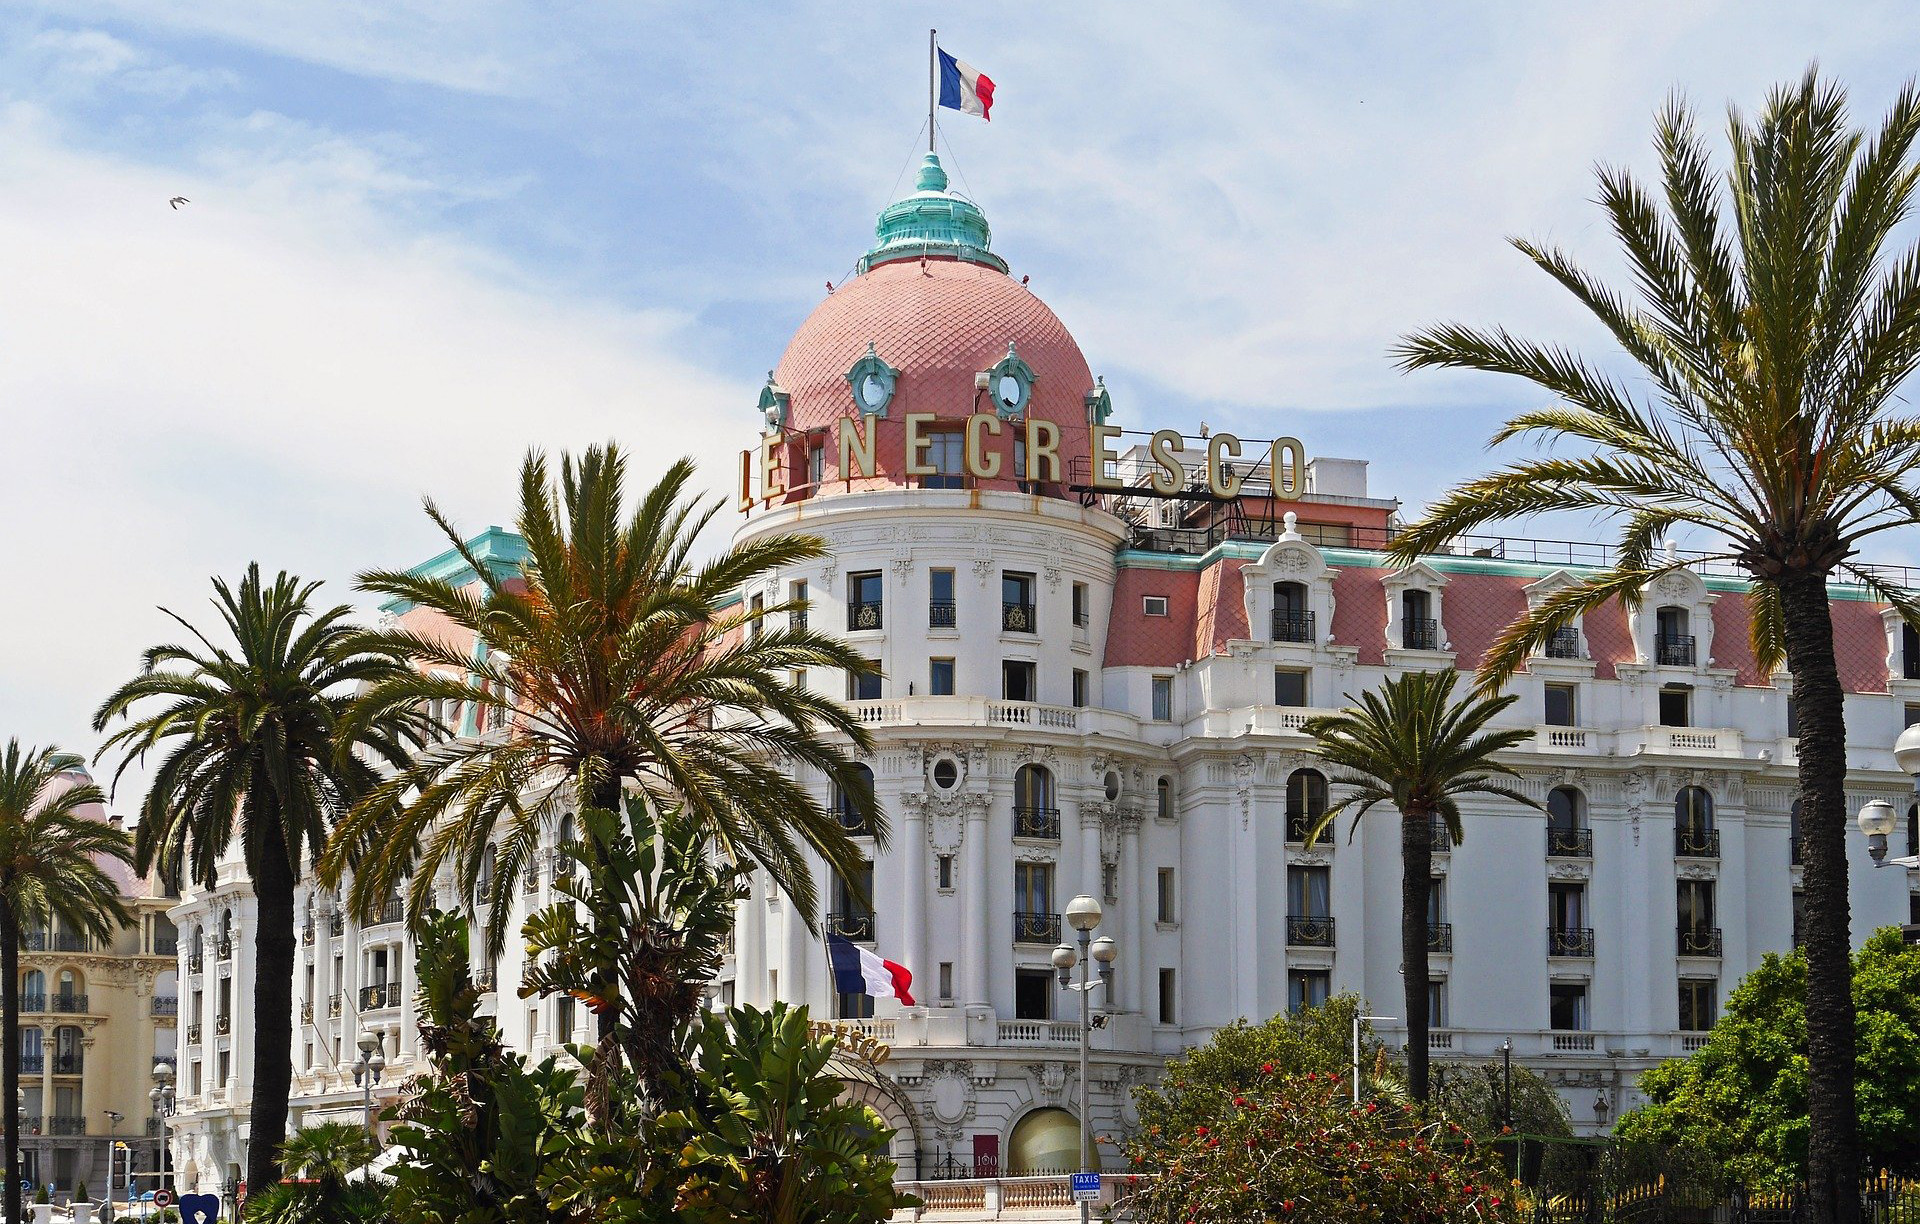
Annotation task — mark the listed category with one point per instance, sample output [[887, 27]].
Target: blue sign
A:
[[1086, 1187]]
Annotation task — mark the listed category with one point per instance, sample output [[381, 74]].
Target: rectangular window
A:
[[1110, 883], [1697, 1004], [225, 1059], [1033, 994], [1567, 1006], [1676, 706], [756, 616], [1437, 1003], [849, 1005], [943, 870], [940, 677], [1017, 682], [1163, 699], [562, 1019], [1310, 892], [1033, 888], [1169, 996], [1166, 897], [864, 685], [941, 609], [946, 454], [1153, 605], [1562, 705], [1793, 723], [797, 601], [1289, 687], [816, 465], [1079, 688], [1912, 715], [1082, 616], [1016, 603], [946, 981], [1308, 988], [1567, 906], [864, 600]]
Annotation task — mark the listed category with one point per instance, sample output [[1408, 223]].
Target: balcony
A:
[[306, 934], [1673, 650], [1039, 823], [67, 1124], [1438, 839], [1570, 941], [223, 947], [333, 1004], [33, 941], [166, 945], [851, 821], [33, 1062], [1566, 739], [1017, 618], [1037, 1032], [856, 925], [484, 979], [386, 994], [73, 1003], [336, 924], [1440, 937], [1309, 931], [392, 910], [1033, 927], [223, 1024], [193, 1033], [942, 614], [306, 1011], [863, 616], [196, 961], [1420, 633], [1699, 941], [946, 710], [1564, 644], [1696, 843], [35, 1002], [797, 621], [1298, 825], [1289, 626], [1569, 843], [530, 882], [71, 941], [73, 1062]]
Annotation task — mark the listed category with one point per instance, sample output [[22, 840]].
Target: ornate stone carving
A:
[[1052, 574], [1033, 854], [1569, 871], [949, 1091], [1243, 786], [903, 565], [1310, 858], [1698, 871], [983, 569], [1049, 1080]]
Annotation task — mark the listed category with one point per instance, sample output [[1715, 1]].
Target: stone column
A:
[[912, 852], [795, 945], [750, 944], [1137, 892], [975, 892]]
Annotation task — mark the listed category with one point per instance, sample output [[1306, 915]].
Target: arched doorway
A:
[[1044, 1141]]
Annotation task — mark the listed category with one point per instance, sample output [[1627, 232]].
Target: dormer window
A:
[[1289, 592], [1292, 616], [1673, 626], [1416, 609], [1673, 643], [1419, 630]]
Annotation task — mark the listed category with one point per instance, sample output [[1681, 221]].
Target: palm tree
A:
[[257, 749], [51, 867], [1773, 328], [1412, 746], [612, 661]]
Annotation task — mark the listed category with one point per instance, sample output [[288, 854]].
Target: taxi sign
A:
[[1086, 1187]]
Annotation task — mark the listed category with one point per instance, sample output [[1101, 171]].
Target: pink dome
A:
[[939, 322]]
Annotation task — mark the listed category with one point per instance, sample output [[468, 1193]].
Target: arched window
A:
[[1292, 619], [1567, 832], [66, 1050], [1673, 637], [33, 990], [1694, 834], [1045, 1141], [483, 886], [1306, 803], [1034, 811], [1163, 798], [846, 807], [1418, 628], [67, 997]]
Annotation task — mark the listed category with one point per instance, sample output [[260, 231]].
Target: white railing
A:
[[877, 1030], [1689, 1042], [1563, 739], [986, 1198], [1439, 1041], [1038, 1032], [1572, 1041], [971, 711], [1690, 741], [1029, 714]]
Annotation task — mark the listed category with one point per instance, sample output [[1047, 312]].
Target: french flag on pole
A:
[[965, 88], [858, 971]]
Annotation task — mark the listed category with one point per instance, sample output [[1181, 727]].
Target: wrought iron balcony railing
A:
[[1309, 931], [335, 1004], [1042, 823], [385, 994], [1699, 941], [1420, 633], [863, 615], [166, 945], [1298, 824], [1439, 937], [1016, 617], [222, 1024], [1570, 941], [942, 614], [392, 910], [1564, 644], [1696, 843], [337, 923], [851, 820], [35, 1002], [196, 961], [856, 925], [67, 1124], [32, 1064], [193, 1034], [306, 1011], [1438, 839], [306, 933], [1033, 927], [1673, 650], [71, 1063], [75, 1003], [1569, 843], [1290, 626]]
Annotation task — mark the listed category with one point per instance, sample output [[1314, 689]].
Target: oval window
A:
[[873, 391], [1113, 785], [1010, 390], [946, 775]]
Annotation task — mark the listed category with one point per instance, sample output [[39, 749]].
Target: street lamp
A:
[[1877, 819], [1083, 915], [1506, 1065], [366, 1072], [1357, 1018], [162, 1098]]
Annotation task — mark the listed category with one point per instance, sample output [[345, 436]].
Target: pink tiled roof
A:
[[1135, 639], [938, 322]]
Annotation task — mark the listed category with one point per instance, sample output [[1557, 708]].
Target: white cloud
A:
[[275, 375]]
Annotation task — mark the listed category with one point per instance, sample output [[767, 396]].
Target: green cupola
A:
[[932, 221]]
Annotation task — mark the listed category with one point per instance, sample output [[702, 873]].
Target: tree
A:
[[321, 1160], [611, 661], [1741, 1100], [51, 868], [1294, 1147], [256, 748], [1774, 329], [1410, 745]]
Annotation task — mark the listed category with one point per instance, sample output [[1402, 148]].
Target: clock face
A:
[[873, 391]]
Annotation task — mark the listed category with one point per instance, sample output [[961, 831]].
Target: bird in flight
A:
[[177, 201]]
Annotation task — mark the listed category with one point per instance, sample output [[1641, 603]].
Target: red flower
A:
[[1469, 1188], [1199, 1130], [1311, 1076], [1266, 1068], [1287, 1205], [1240, 1101], [1372, 1108], [1494, 1201]]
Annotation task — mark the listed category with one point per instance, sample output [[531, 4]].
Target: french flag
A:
[[858, 971], [965, 88]]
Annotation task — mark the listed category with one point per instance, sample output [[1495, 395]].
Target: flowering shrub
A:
[[1295, 1148]]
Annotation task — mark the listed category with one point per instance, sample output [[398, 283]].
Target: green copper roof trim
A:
[[503, 552], [1135, 558], [932, 222]]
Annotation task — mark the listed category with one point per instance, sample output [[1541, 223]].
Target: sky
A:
[[423, 236]]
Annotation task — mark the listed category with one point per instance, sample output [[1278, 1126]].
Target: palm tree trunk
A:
[[10, 1068], [1416, 881], [606, 1046], [1833, 1146], [273, 954]]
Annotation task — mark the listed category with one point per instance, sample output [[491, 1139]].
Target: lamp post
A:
[[113, 1145], [1083, 915], [1357, 1018], [1877, 818], [162, 1098], [366, 1072]]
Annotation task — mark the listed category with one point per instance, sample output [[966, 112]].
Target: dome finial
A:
[[934, 220], [932, 177]]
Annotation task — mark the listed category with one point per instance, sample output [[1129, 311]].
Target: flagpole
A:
[[932, 74]]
